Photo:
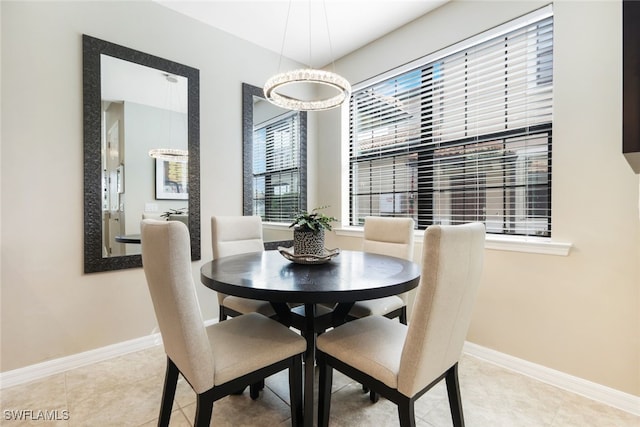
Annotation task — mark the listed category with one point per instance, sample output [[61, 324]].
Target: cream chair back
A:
[[389, 236], [166, 259], [452, 259], [233, 235]]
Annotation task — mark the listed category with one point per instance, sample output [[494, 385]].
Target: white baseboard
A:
[[609, 396], [63, 364], [57, 366]]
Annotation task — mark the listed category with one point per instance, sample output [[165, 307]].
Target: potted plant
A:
[[308, 231], [177, 215]]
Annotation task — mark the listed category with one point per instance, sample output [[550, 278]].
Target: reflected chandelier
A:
[[307, 75], [170, 154]]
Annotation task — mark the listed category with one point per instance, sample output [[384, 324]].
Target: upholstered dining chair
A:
[[403, 362], [393, 237], [219, 359], [234, 235]]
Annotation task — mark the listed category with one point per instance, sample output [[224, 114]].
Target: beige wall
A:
[[50, 309], [578, 314]]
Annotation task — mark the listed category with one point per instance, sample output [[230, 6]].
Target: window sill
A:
[[534, 245], [276, 225]]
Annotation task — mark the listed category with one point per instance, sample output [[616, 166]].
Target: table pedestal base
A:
[[311, 320]]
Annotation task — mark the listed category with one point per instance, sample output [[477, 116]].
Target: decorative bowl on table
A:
[[289, 254]]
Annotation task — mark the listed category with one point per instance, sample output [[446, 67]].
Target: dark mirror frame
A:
[[248, 92], [631, 83], [92, 48]]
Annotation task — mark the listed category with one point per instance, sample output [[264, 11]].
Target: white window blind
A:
[[461, 137], [276, 168]]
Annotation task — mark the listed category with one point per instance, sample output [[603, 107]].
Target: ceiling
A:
[[351, 23]]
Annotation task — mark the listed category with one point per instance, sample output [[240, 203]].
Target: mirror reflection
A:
[[275, 159], [136, 103], [144, 111]]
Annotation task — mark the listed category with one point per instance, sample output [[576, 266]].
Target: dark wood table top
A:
[[128, 238], [350, 276]]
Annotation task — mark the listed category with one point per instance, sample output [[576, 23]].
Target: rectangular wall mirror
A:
[[135, 104], [274, 158]]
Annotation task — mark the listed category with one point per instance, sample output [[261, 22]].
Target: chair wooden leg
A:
[[168, 393], [455, 401], [324, 393], [295, 391], [406, 413], [204, 409], [254, 391], [373, 396]]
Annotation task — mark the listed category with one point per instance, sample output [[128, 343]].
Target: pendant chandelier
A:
[[310, 76], [171, 154]]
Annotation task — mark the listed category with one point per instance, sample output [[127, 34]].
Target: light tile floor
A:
[[126, 391]]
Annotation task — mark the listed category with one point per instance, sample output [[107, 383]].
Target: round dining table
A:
[[348, 277]]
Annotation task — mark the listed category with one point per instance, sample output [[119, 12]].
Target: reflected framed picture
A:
[[171, 180]]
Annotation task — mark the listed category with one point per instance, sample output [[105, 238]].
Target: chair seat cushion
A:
[[249, 342], [380, 306], [246, 305], [372, 345]]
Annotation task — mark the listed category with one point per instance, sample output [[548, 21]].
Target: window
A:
[[276, 166], [463, 135]]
